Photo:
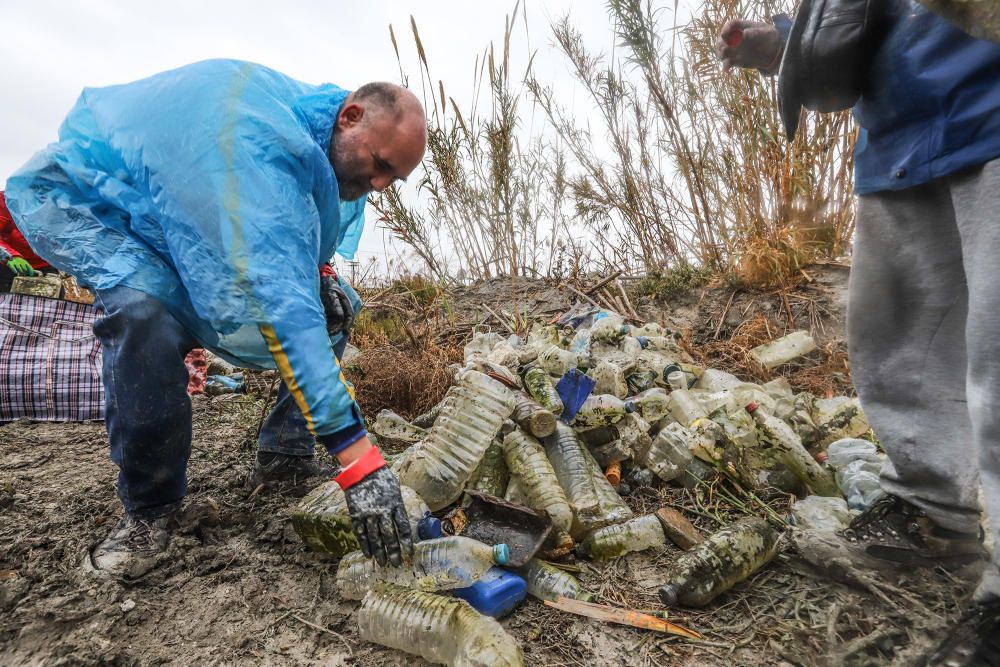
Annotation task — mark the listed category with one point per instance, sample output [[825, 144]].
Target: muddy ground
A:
[[238, 587]]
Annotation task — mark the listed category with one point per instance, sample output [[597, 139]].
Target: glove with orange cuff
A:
[[376, 508]]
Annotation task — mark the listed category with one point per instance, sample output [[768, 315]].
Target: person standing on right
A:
[[924, 299]]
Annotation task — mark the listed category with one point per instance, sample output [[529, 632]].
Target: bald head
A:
[[379, 137]]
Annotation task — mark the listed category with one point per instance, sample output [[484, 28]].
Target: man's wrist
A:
[[360, 468]]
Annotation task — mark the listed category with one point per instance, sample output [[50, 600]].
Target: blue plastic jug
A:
[[496, 593]]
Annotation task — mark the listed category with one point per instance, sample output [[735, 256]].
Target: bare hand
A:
[[748, 44]]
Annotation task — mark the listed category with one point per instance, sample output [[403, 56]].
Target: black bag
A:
[[828, 56]]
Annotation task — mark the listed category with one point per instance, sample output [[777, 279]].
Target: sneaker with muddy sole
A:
[[133, 548], [894, 530]]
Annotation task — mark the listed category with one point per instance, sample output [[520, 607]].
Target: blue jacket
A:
[[208, 187], [934, 105]]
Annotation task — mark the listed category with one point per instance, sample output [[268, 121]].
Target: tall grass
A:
[[691, 170], [489, 193], [699, 170]]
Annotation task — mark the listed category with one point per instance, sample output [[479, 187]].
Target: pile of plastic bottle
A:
[[568, 421]]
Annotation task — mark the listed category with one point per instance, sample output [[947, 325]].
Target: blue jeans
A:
[[147, 407]]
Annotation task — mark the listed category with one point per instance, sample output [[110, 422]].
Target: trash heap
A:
[[525, 462]]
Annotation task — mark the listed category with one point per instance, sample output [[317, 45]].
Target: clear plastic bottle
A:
[[437, 565], [668, 454], [515, 491], [540, 387], [611, 330], [548, 582], [532, 417], [793, 454], [480, 346], [638, 534], [440, 629], [684, 408], [784, 349], [567, 456], [440, 466], [724, 559], [492, 475], [390, 427], [539, 484], [600, 410], [505, 355], [651, 405], [324, 524]]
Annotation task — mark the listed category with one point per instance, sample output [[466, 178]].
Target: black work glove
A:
[[336, 305], [379, 517]]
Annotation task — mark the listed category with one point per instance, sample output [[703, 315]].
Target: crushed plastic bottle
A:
[[548, 582], [532, 417], [609, 378], [539, 386], [437, 565], [793, 454], [323, 523], [638, 534], [668, 454], [820, 513], [443, 630], [479, 348], [538, 482], [576, 476], [724, 559], [391, 428], [684, 408], [439, 467], [492, 475]]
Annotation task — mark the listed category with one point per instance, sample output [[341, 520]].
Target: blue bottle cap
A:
[[643, 341], [501, 554], [630, 407]]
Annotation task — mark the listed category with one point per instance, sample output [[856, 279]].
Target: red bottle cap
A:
[[751, 406]]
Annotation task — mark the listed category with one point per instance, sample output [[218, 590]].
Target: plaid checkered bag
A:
[[50, 360]]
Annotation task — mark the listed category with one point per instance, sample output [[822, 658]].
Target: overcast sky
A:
[[51, 49]]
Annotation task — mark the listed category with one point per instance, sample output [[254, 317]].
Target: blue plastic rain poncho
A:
[[208, 187]]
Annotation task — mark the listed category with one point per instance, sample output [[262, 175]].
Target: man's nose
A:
[[381, 182]]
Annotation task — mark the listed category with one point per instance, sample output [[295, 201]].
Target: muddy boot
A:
[[894, 530], [272, 469], [132, 548], [972, 642]]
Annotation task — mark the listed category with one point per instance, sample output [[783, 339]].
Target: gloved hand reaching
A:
[[336, 305], [20, 266], [376, 508], [749, 44]]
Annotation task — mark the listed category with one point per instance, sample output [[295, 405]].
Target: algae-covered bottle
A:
[[651, 404], [724, 559], [440, 466], [439, 564], [567, 456], [539, 484], [548, 582], [540, 387], [440, 629], [323, 523], [793, 454], [532, 417], [638, 534], [600, 410], [492, 475], [556, 361]]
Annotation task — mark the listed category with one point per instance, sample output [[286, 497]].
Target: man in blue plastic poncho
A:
[[199, 204]]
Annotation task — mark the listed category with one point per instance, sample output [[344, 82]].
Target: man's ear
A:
[[350, 115]]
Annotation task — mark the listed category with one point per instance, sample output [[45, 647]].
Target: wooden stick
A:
[[628, 304], [621, 616], [580, 294], [604, 282]]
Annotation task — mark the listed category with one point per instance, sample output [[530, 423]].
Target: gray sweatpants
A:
[[924, 333]]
